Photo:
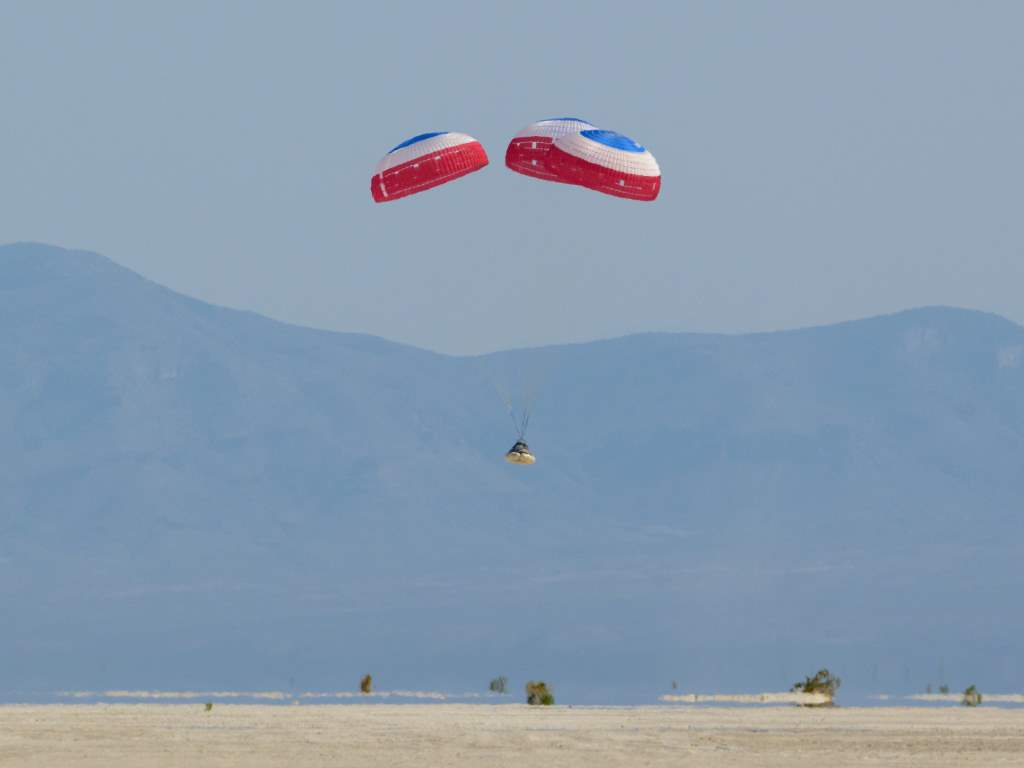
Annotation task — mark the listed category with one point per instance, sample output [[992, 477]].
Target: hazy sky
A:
[[821, 161]]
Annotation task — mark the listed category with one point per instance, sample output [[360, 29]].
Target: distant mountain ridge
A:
[[192, 496]]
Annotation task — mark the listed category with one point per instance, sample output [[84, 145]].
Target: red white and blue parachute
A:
[[425, 161], [528, 150], [605, 161]]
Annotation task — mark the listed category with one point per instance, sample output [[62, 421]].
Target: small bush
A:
[[537, 693], [366, 684], [499, 684], [822, 682], [209, 706], [943, 689], [972, 696]]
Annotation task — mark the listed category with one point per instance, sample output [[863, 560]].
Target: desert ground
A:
[[141, 735]]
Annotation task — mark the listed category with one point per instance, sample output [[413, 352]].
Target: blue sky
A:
[[821, 161]]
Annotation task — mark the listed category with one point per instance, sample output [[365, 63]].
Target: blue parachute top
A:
[[415, 139], [613, 140]]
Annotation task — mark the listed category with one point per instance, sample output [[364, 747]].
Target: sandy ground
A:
[[142, 735]]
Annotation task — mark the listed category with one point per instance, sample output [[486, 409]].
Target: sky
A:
[[821, 161]]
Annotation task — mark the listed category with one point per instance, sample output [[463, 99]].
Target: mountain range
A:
[[199, 497]]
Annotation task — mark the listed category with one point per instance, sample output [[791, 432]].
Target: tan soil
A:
[[142, 735]]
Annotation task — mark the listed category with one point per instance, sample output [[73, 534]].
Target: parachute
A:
[[528, 150], [425, 161], [605, 161]]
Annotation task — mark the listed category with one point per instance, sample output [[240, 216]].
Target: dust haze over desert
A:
[[274, 279]]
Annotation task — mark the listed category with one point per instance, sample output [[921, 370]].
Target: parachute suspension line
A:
[[506, 398], [520, 416], [521, 422], [504, 394], [515, 423]]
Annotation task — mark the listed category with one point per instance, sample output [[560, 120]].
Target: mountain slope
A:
[[195, 496]]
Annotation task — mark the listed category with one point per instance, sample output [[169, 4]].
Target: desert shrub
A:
[[209, 706], [537, 693], [366, 684], [499, 684], [822, 682], [972, 696]]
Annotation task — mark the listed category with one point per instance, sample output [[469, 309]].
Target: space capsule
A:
[[520, 454]]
